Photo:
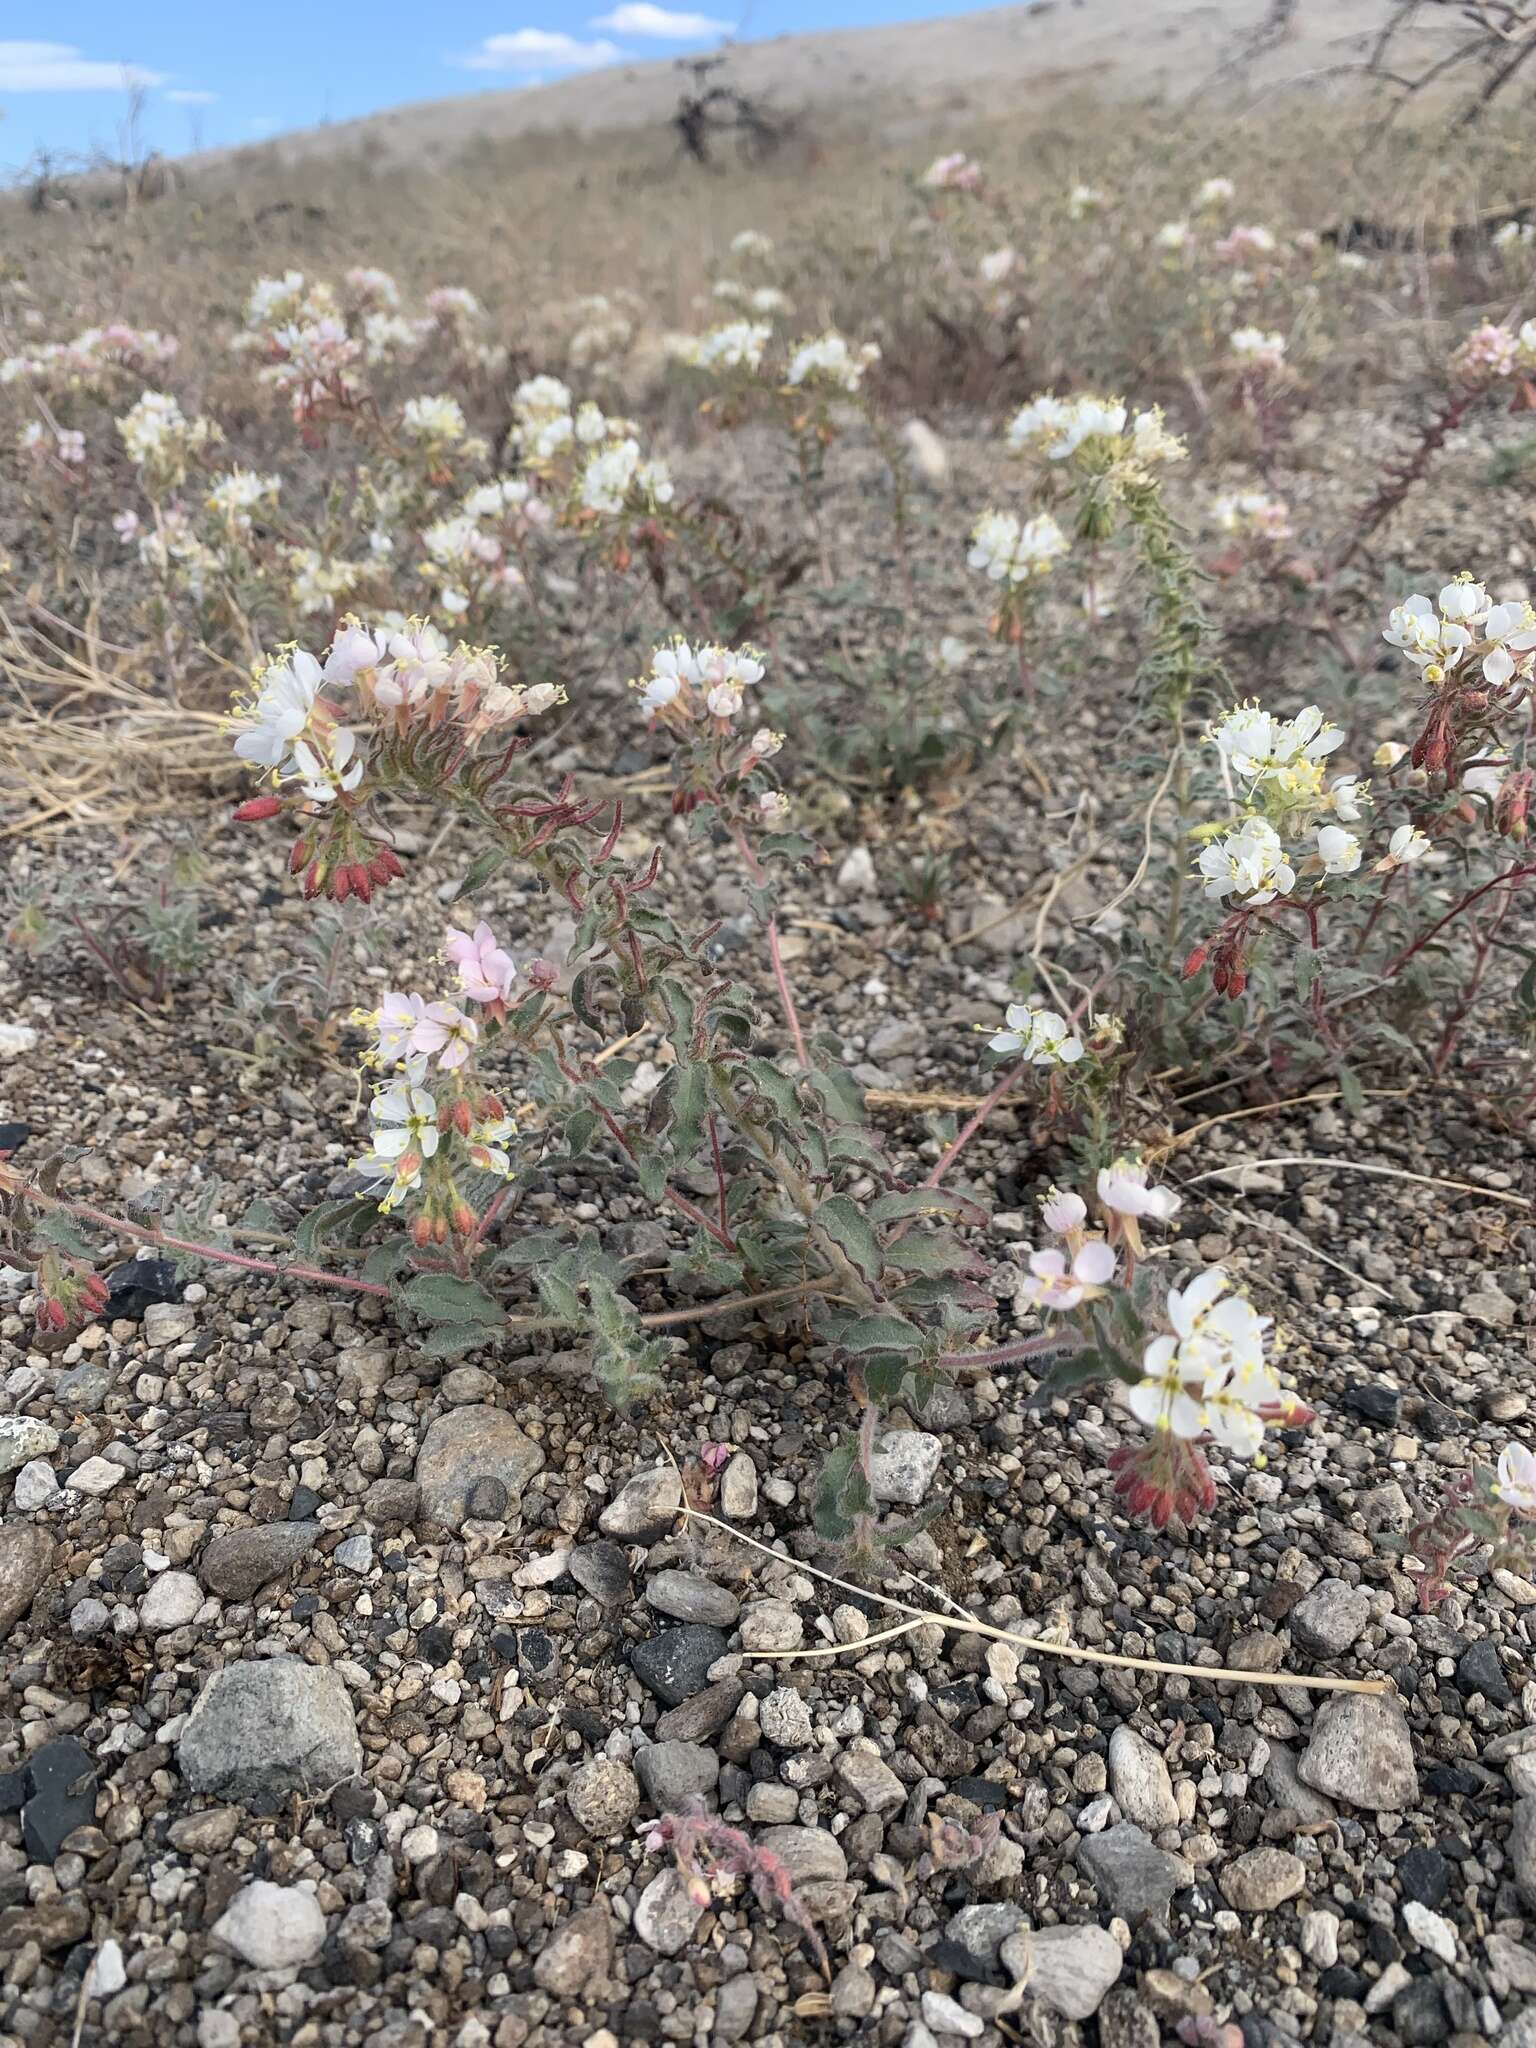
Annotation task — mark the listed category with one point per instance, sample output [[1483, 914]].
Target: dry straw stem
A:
[[88, 743], [1190, 1132], [1423, 1180], [967, 1624]]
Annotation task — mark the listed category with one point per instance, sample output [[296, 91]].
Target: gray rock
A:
[[1512, 1961], [738, 1489], [771, 1625], [168, 1322], [1068, 1969], [903, 1464], [59, 1781], [705, 1713], [810, 1855], [644, 1508], [666, 1914], [944, 2016], [1139, 1780], [217, 2028], [772, 1805], [674, 1773], [392, 1503], [1430, 1930], [602, 1570], [1330, 1618], [577, 1959], [26, 1552], [1263, 1879], [96, 1477], [173, 1599], [786, 1719], [260, 1732], [974, 1937], [468, 1445], [355, 1555], [272, 1926], [1124, 2022], [369, 1924], [1489, 1304], [88, 1618], [1521, 1849], [1360, 1752], [108, 1972], [1318, 1937], [239, 1563], [871, 1781], [23, 1438], [686, 1597], [1133, 1876], [675, 1664], [36, 1484], [735, 2008], [604, 1796], [1286, 1789]]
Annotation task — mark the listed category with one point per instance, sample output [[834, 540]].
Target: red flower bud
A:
[[1195, 961], [256, 808], [299, 856], [1237, 981], [421, 1232], [463, 1117], [465, 1221], [384, 858], [362, 882], [341, 883], [314, 881]]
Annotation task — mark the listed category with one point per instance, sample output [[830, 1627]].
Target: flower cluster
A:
[[425, 1140], [1013, 551], [1492, 352], [831, 360], [1097, 430], [687, 684], [1477, 659], [1209, 1377], [162, 441], [90, 356], [1255, 515], [1042, 1037], [1252, 349], [739, 345], [953, 173]]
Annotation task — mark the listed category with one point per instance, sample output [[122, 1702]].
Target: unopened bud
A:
[[1195, 961], [362, 882], [314, 881], [541, 974], [256, 808], [421, 1232], [299, 856], [1237, 981], [465, 1221], [341, 883], [440, 1229], [462, 1116]]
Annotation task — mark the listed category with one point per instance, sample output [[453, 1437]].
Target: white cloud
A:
[[59, 67], [184, 96], [534, 51], [640, 18]]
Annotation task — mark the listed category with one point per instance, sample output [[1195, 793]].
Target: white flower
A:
[[1210, 1376], [830, 360], [1123, 1188], [1215, 192], [1406, 844], [773, 806], [1511, 629], [1083, 200], [1088, 419], [1338, 850], [394, 1025], [997, 264], [1483, 779], [1013, 552], [284, 704], [737, 346], [1254, 349], [1054, 1285], [404, 1118], [1464, 601], [327, 762], [1249, 864], [1151, 440], [444, 1029], [1348, 796], [1063, 1211], [1040, 1036], [1262, 747], [433, 419], [954, 654], [1517, 1478], [1173, 235], [750, 242], [1388, 754]]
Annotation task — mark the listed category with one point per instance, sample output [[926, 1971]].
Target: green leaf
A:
[[853, 1234], [343, 1222], [926, 1202], [452, 1340], [881, 1332], [842, 1493], [444, 1298], [840, 1092], [532, 1249], [779, 1089], [582, 987], [689, 1104], [59, 1230], [385, 1261], [579, 1127], [1351, 1090], [479, 872]]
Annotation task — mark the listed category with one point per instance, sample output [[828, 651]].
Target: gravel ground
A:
[[342, 1687]]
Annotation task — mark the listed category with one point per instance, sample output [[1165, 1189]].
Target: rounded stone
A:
[[604, 1797]]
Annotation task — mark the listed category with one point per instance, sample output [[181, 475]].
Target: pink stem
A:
[[989, 1103]]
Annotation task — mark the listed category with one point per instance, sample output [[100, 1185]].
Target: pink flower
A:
[[486, 971], [445, 1030]]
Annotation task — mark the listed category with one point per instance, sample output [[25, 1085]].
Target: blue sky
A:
[[218, 72]]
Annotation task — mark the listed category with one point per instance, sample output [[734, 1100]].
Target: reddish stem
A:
[[759, 875], [989, 1103]]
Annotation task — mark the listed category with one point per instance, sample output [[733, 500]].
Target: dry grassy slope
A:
[[978, 62]]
